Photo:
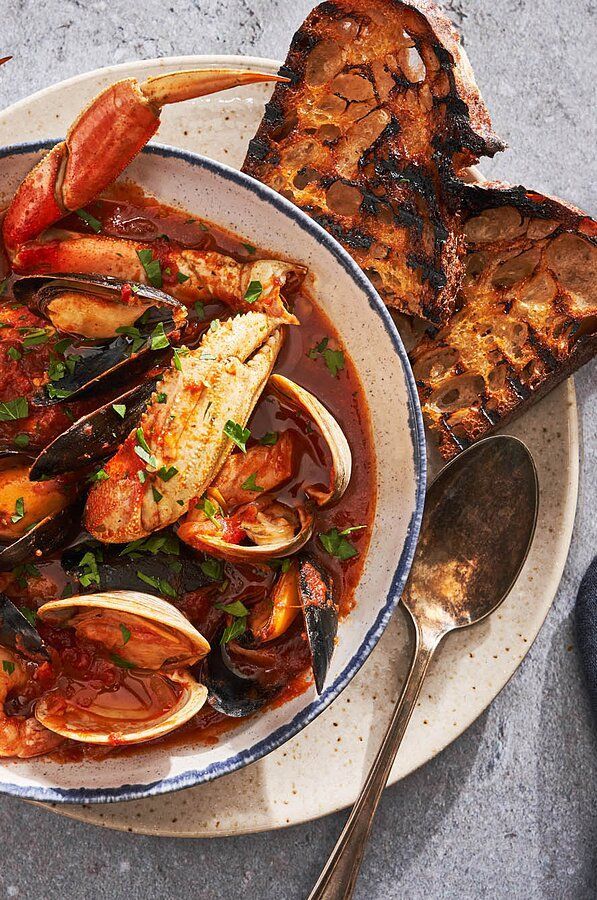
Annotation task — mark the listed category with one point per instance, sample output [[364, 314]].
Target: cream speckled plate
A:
[[321, 769]]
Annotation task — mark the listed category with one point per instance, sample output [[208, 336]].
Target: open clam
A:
[[35, 518], [331, 432], [152, 645], [131, 324]]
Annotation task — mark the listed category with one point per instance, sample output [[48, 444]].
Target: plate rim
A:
[[196, 776]]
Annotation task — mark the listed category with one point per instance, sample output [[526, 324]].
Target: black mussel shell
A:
[[47, 536], [37, 291], [17, 632], [93, 437], [163, 574], [103, 366], [320, 610], [230, 693]]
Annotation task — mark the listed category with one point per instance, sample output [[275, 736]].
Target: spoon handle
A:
[[338, 878]]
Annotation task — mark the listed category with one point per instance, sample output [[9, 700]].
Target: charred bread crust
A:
[[527, 313], [380, 111]]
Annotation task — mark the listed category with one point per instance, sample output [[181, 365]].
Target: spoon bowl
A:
[[479, 521]]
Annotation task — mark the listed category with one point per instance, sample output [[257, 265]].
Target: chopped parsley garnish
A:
[[334, 359], [211, 510], [237, 627], [250, 484], [14, 354], [59, 393], [100, 475], [93, 223], [142, 476], [8, 666], [160, 584], [237, 434], [282, 564], [119, 409], [167, 473], [237, 608], [181, 277], [161, 398], [142, 450], [213, 568], [178, 352], [29, 614], [156, 543], [21, 440], [89, 570], [214, 324], [334, 542], [25, 569], [156, 494], [19, 511], [14, 409], [35, 336], [250, 248], [199, 308], [152, 267], [122, 663], [132, 332], [254, 291], [159, 338], [126, 635], [269, 438]]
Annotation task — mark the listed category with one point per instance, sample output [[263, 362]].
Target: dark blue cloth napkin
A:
[[586, 628]]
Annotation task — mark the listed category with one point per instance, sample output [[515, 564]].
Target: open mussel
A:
[[16, 631], [341, 457], [131, 325], [36, 518], [153, 645], [95, 436], [241, 675]]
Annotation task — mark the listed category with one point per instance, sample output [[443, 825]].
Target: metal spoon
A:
[[477, 529]]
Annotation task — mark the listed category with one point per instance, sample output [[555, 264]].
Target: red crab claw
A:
[[102, 142]]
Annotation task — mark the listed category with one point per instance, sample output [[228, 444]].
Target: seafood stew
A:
[[175, 432]]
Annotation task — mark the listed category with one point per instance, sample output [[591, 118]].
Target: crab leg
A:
[[101, 143], [182, 443], [188, 275]]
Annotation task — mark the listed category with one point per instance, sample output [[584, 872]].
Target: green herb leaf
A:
[[213, 568], [122, 663], [250, 485], [237, 627], [318, 349], [250, 248], [14, 409], [178, 353], [211, 510], [119, 409], [29, 614], [237, 608], [282, 564], [334, 360], [156, 543], [167, 473], [334, 543], [269, 438], [54, 392], [254, 291], [14, 354], [156, 494], [152, 267], [93, 223], [161, 398], [237, 434], [143, 451], [199, 308], [126, 635], [89, 570], [159, 338], [35, 337], [21, 440], [142, 476], [8, 666], [352, 528], [181, 277], [100, 475], [19, 511], [160, 584]]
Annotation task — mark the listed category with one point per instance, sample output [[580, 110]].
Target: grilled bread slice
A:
[[380, 109], [528, 314]]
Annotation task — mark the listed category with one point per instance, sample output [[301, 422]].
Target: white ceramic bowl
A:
[[262, 217]]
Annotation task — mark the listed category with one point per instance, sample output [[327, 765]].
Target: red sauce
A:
[[128, 212]]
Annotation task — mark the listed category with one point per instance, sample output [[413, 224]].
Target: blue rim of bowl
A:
[[282, 734]]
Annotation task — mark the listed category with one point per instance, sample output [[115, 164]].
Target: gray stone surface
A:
[[508, 811]]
